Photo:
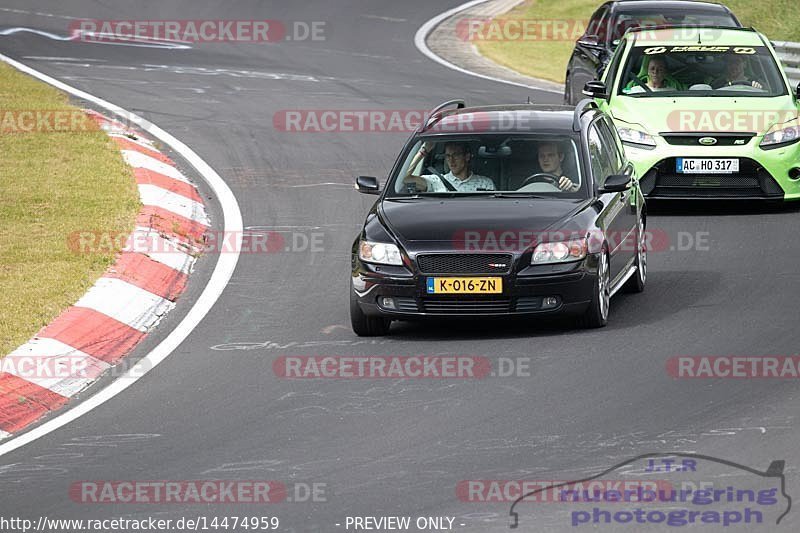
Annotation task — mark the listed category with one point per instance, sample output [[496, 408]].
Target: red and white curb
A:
[[127, 302]]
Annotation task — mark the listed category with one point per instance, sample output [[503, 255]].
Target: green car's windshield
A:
[[701, 70], [491, 164]]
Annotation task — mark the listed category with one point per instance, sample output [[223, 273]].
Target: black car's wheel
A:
[[596, 316], [364, 325], [637, 281]]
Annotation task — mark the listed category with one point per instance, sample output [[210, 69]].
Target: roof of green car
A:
[[688, 36]]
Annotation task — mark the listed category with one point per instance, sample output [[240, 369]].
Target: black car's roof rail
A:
[[436, 114], [587, 104]]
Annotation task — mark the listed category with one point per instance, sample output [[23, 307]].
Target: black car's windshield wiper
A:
[[450, 194], [518, 194]]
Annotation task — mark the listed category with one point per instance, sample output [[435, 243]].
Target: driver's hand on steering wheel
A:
[[756, 85], [566, 184]]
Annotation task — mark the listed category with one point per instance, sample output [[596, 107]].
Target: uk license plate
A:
[[493, 285], [705, 165]]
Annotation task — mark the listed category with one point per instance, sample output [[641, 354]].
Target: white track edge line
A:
[[425, 29], [223, 270]]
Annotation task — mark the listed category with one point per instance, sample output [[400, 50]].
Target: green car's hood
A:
[[703, 114]]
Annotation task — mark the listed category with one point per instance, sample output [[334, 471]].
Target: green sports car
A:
[[704, 112]]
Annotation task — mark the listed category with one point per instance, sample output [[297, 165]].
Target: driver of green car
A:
[[735, 74]]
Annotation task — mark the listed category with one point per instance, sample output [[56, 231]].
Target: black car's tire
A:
[[638, 280], [364, 325], [596, 316]]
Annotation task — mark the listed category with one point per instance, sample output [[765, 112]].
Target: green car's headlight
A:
[[559, 252], [781, 135], [379, 252], [632, 136]]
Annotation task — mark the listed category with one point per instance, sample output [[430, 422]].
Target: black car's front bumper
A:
[[524, 291]]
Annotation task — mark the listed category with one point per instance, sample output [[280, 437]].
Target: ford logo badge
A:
[[707, 141]]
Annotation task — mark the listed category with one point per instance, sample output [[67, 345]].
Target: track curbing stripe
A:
[[71, 370], [173, 202], [127, 303], [221, 275], [137, 159]]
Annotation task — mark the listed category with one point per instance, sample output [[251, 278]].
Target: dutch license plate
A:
[[686, 165], [465, 285]]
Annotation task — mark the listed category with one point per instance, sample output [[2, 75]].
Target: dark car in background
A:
[[499, 211], [608, 24]]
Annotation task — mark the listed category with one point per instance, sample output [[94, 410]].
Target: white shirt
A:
[[471, 184]]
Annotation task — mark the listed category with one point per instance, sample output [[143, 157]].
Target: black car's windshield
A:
[[712, 69], [636, 18], [522, 166]]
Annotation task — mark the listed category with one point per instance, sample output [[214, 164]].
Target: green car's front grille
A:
[[752, 181], [720, 139]]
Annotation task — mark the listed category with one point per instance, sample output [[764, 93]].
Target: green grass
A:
[[548, 59], [51, 185]]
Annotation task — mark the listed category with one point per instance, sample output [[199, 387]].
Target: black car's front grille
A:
[[465, 306], [752, 181], [721, 139], [464, 263]]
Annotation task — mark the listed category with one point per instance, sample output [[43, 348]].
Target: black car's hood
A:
[[445, 220]]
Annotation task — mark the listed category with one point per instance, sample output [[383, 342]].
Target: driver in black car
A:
[[735, 74], [551, 156]]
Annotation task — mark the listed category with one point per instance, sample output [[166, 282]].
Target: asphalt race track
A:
[[215, 408]]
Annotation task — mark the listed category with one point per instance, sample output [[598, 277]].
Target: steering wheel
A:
[[642, 84], [543, 177]]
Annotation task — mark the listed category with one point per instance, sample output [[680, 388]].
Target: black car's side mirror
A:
[[590, 41], [616, 183], [367, 185], [595, 89]]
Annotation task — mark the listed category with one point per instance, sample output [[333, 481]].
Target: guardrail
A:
[[790, 57]]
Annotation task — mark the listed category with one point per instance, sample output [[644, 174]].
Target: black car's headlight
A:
[[559, 252], [379, 252]]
